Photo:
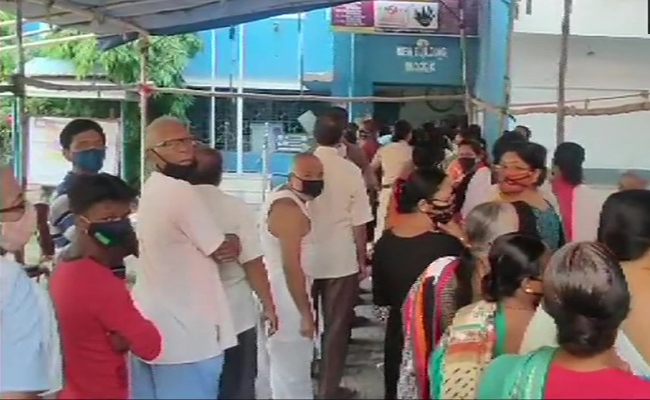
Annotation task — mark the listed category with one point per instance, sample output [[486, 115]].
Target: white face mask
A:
[[15, 235]]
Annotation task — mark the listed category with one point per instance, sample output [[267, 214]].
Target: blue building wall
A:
[[271, 51], [357, 62], [492, 69], [363, 61]]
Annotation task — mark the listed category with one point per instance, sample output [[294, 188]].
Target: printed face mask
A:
[[441, 213], [513, 181], [111, 233]]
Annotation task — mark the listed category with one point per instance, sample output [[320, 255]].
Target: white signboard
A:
[[308, 121], [407, 16], [46, 164]]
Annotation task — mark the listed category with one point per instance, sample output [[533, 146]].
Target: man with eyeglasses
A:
[[178, 285], [30, 356]]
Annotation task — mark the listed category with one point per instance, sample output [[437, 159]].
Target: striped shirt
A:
[[61, 219]]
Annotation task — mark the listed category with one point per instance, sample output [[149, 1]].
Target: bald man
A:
[[240, 277], [30, 357], [632, 180], [284, 226], [179, 286]]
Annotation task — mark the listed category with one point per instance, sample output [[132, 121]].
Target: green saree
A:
[[520, 377]]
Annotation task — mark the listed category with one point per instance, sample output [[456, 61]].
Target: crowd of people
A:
[[494, 276]]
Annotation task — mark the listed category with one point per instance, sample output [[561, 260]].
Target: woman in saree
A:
[[426, 154], [521, 174], [579, 205], [476, 180], [624, 228], [494, 325], [586, 294], [424, 234], [449, 284]]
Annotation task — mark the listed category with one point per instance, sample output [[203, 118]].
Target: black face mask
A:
[[177, 171], [312, 189], [441, 214], [467, 163], [202, 176], [112, 234]]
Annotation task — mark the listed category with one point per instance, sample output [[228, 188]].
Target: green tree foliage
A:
[[7, 66], [168, 57]]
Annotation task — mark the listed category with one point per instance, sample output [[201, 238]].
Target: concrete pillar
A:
[[492, 70], [350, 77]]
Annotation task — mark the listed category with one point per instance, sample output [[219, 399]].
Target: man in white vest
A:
[[284, 228]]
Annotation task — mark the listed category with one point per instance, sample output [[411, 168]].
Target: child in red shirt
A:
[[98, 321]]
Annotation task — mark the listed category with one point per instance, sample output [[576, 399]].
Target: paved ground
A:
[[364, 371]]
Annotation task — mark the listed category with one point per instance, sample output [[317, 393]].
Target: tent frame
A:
[[19, 81], [20, 128]]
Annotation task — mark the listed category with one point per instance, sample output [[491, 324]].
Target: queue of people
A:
[[499, 277]]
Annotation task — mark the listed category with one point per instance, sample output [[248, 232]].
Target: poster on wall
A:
[[420, 17], [46, 164]]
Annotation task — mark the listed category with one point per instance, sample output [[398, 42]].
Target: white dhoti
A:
[[290, 353], [262, 381]]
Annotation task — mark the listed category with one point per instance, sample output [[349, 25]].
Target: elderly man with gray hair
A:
[[632, 179], [178, 285]]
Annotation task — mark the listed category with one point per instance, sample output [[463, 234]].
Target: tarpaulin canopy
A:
[[120, 21]]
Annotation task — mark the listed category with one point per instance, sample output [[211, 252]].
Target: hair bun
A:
[[490, 287]]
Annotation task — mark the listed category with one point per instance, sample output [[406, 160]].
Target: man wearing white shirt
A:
[[239, 277], [30, 355], [337, 253], [178, 286]]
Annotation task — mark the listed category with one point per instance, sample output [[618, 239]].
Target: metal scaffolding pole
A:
[[19, 128], [561, 86], [469, 107], [239, 102], [507, 86], [144, 103], [213, 78]]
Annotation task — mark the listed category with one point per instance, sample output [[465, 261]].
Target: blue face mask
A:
[[91, 160]]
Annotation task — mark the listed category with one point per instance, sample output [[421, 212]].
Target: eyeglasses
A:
[[179, 143]]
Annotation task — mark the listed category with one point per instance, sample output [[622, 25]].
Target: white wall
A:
[[598, 67], [618, 18]]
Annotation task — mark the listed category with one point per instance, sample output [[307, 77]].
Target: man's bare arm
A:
[[360, 241], [258, 279], [290, 226]]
